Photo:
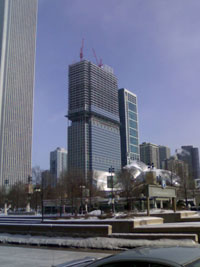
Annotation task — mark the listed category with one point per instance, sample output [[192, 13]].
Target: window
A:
[[133, 124], [134, 149], [134, 141], [132, 107], [132, 115], [133, 133]]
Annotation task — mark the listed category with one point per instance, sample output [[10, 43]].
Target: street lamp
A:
[[111, 171], [42, 196], [29, 192], [37, 189], [6, 182], [151, 166]]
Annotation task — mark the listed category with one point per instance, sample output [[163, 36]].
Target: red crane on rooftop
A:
[[99, 62]]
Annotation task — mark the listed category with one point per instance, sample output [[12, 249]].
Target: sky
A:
[[153, 47]]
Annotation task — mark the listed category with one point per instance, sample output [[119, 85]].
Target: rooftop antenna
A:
[[81, 50], [99, 62]]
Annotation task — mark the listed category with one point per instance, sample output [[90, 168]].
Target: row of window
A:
[[105, 160], [132, 98]]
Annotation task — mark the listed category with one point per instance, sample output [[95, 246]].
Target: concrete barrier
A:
[[57, 230], [170, 229], [156, 236], [118, 225], [147, 221], [179, 216]]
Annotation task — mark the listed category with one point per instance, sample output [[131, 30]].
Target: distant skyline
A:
[[153, 47]]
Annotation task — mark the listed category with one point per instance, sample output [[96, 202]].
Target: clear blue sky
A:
[[154, 48]]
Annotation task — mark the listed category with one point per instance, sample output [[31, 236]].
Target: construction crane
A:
[[99, 62], [81, 50]]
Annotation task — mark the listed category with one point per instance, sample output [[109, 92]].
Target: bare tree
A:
[[17, 196], [187, 182], [36, 175], [72, 184], [93, 189], [2, 196], [125, 179]]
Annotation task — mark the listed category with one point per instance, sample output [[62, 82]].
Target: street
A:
[[38, 257]]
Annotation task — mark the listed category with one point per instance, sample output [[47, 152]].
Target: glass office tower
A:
[[17, 59], [190, 155], [94, 133], [58, 162], [129, 126]]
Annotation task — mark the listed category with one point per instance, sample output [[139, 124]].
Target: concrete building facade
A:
[[17, 60], [164, 153], [94, 130], [149, 153], [175, 165], [129, 132]]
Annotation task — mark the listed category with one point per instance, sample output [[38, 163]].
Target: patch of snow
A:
[[145, 218], [95, 212], [94, 242]]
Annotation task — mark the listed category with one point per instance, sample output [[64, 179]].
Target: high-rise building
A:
[[58, 162], [94, 133], [149, 153], [174, 165], [164, 153], [17, 60], [190, 155], [128, 126]]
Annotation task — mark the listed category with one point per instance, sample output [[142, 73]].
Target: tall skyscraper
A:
[[149, 153], [190, 155], [58, 162], [129, 126], [164, 153], [94, 133], [17, 60]]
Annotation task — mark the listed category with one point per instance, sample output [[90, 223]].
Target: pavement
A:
[[37, 257]]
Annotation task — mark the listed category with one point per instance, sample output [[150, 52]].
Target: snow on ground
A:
[[92, 243], [172, 225], [95, 212], [161, 211]]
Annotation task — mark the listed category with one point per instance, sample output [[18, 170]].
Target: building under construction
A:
[[94, 129]]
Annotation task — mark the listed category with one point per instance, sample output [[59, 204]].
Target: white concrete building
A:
[[17, 60]]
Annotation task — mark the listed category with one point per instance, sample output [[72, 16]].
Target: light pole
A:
[[37, 189], [42, 198], [150, 166], [29, 192], [111, 171], [6, 200]]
